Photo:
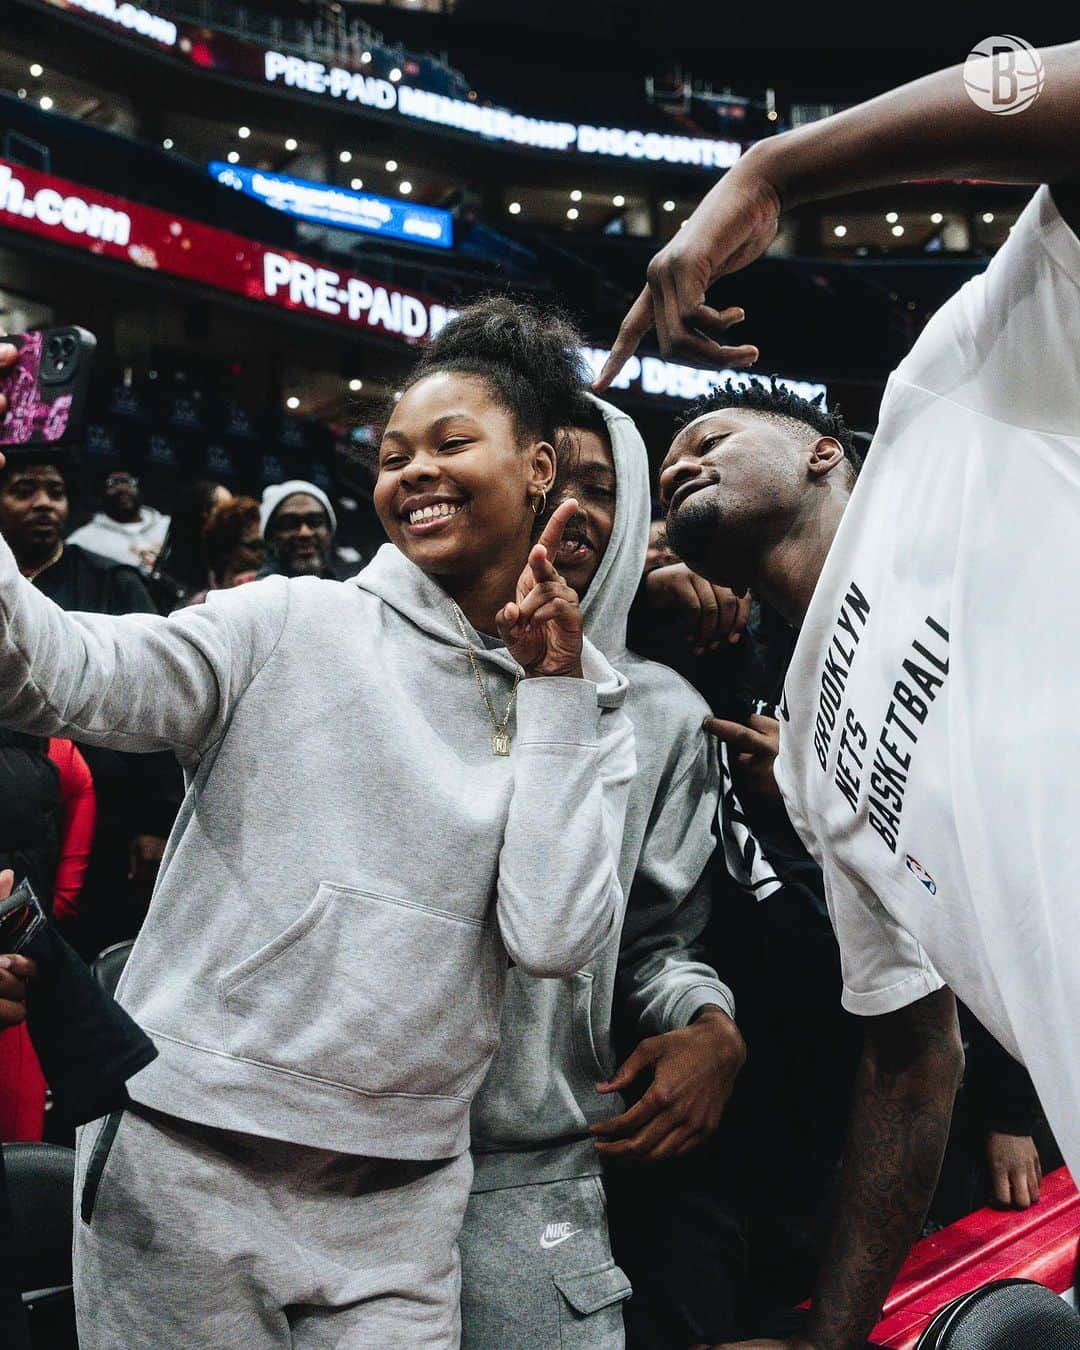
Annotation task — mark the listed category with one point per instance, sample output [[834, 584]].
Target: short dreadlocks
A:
[[777, 402]]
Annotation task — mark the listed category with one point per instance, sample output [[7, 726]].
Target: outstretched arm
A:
[[929, 128]]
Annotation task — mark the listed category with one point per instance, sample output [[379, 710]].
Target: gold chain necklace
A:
[[500, 742], [37, 571]]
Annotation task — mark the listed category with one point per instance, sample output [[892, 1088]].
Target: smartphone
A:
[[46, 388], [21, 915]]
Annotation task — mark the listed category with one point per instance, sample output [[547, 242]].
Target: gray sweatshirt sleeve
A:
[[138, 682], [559, 897], [662, 980]]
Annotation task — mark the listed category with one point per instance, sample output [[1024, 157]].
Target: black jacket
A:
[[86, 581], [31, 813]]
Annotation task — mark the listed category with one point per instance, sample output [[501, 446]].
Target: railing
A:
[[329, 35]]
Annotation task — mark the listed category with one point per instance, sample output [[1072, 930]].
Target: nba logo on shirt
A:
[[919, 872]]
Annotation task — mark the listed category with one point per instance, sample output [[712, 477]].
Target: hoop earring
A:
[[540, 503]]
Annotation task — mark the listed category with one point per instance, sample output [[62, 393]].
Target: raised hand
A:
[[8, 356], [708, 614], [543, 628], [734, 224]]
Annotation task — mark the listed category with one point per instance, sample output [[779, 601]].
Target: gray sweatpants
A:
[[537, 1271], [190, 1238]]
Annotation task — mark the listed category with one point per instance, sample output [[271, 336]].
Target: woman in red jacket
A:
[[22, 1084]]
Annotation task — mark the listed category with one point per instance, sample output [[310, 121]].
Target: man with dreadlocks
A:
[[926, 755]]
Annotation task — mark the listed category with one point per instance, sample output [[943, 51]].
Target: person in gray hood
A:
[[378, 817], [537, 1259]]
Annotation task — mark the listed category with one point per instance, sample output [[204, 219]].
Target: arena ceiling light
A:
[[898, 230], [391, 166], [290, 144], [405, 187], [356, 184], [618, 200], [46, 103], [988, 217], [356, 385], [669, 205], [345, 156], [891, 217], [233, 157], [365, 58], [37, 70], [575, 196], [167, 143], [572, 214], [839, 231], [394, 75], [936, 218], [514, 208], [292, 402], [243, 132]]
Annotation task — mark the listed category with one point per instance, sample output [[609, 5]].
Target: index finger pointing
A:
[[551, 536], [633, 328], [738, 736]]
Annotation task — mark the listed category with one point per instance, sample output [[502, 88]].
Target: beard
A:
[[309, 565], [713, 542], [692, 529]]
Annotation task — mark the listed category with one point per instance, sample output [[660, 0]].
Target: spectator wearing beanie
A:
[[298, 525]]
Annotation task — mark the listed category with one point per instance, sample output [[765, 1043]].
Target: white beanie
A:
[[276, 493]]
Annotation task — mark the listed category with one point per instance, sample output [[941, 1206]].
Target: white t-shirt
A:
[[125, 541], [929, 753]]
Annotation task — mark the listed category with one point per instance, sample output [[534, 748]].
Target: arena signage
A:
[[243, 60], [668, 379], [70, 214], [142, 236], [129, 17], [351, 86], [324, 204]]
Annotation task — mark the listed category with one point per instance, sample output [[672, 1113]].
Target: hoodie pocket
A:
[[585, 1052], [370, 992]]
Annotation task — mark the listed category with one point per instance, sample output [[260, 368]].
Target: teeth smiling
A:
[[432, 513]]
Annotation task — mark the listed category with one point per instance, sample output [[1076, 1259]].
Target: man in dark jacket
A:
[[137, 795]]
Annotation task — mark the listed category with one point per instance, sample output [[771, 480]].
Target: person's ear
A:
[[543, 466], [825, 454]]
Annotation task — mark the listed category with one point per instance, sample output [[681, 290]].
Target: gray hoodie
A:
[[325, 953], [530, 1115]]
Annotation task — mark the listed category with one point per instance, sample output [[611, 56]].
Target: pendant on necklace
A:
[[500, 743]]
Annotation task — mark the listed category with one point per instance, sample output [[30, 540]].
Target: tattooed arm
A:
[[911, 1066], [904, 1091]]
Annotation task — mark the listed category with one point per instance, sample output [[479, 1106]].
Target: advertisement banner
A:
[[323, 204], [112, 227], [142, 236], [357, 88]]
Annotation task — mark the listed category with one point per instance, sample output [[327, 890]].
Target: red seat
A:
[[1040, 1243]]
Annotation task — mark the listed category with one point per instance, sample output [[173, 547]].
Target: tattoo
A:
[[901, 1111]]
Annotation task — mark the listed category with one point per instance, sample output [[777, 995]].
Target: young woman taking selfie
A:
[[396, 786]]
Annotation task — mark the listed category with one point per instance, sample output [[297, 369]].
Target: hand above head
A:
[[543, 628], [15, 971], [8, 356], [693, 1074], [734, 224], [753, 748]]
